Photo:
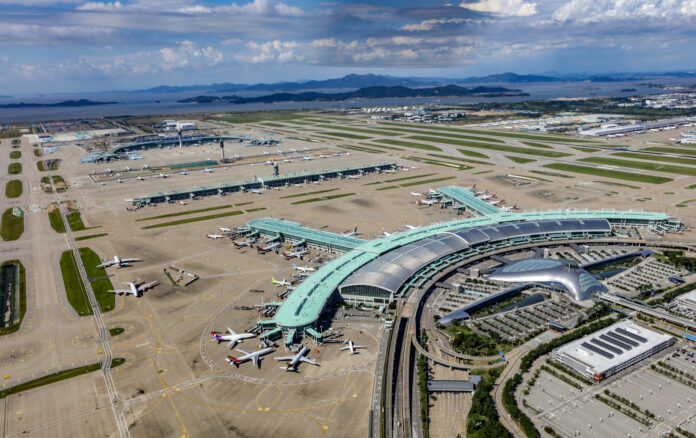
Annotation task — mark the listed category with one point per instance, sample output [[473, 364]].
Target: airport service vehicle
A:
[[303, 268], [351, 232], [254, 356], [352, 347], [117, 261], [243, 243], [232, 337], [268, 248], [294, 361], [292, 254], [214, 236], [134, 288], [281, 282]]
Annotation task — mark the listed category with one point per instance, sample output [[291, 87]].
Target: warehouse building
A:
[[611, 350]]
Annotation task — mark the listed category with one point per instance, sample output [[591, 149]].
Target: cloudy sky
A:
[[77, 45]]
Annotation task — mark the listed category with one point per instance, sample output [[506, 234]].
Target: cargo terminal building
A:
[[611, 350]]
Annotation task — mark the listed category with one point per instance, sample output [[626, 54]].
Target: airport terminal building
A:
[[611, 350]]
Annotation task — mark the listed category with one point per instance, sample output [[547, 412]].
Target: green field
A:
[[56, 221], [51, 378], [671, 150], [586, 150], [99, 280], [202, 218], [91, 236], [642, 165], [299, 195], [37, 152], [607, 173], [9, 134], [12, 226], [261, 116], [74, 288], [442, 163], [537, 145], [519, 160], [493, 147], [14, 168], [481, 172], [446, 134], [13, 189], [385, 133], [75, 221], [323, 198], [474, 154], [409, 144], [465, 160], [116, 331], [22, 298], [652, 157], [415, 183], [560, 175], [382, 147], [15, 155], [183, 213], [361, 149], [345, 135]]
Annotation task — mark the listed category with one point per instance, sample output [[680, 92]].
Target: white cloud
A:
[[515, 8], [32, 34], [593, 11], [98, 6], [256, 7], [188, 54], [430, 24], [276, 50]]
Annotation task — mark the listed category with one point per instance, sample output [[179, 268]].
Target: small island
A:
[[65, 103]]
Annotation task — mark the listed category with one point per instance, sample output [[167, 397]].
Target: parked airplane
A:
[[300, 254], [293, 150], [118, 262], [514, 207], [352, 347], [267, 248], [416, 194], [384, 233], [281, 282], [498, 202], [428, 202], [214, 236], [163, 175], [140, 178], [486, 197], [471, 189], [257, 191], [245, 242], [294, 361], [225, 229], [350, 233], [307, 157], [304, 268], [413, 227], [208, 169], [266, 153], [254, 356], [134, 288], [354, 176], [232, 337], [183, 172]]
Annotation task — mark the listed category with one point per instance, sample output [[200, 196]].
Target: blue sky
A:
[[77, 45]]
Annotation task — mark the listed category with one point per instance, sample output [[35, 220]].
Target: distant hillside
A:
[[364, 93], [65, 103]]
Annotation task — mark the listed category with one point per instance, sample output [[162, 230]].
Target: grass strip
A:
[[201, 210], [299, 195], [345, 135], [445, 134], [75, 221], [409, 144], [51, 378], [262, 116], [15, 155], [116, 331], [56, 221], [381, 146], [12, 226], [560, 175], [520, 160], [671, 150], [465, 160], [586, 150], [11, 133], [482, 172], [448, 164], [37, 152], [651, 166], [323, 198], [243, 203], [494, 147], [14, 168], [22, 298], [13, 189], [611, 183], [426, 181], [360, 149], [537, 145], [472, 153], [102, 284], [201, 218], [607, 173], [74, 288], [386, 133], [91, 236], [653, 157], [406, 178]]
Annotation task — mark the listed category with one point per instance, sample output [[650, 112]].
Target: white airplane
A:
[[307, 157], [183, 172], [294, 361], [257, 191], [432, 192], [498, 202], [208, 169], [480, 192], [245, 242], [293, 150], [352, 347], [428, 202], [266, 153], [384, 233], [135, 289], [232, 337], [254, 356], [163, 175], [268, 162], [416, 194], [471, 189], [322, 156], [118, 262], [225, 230], [413, 227], [304, 268], [350, 233], [513, 208], [292, 254], [486, 197], [140, 178], [267, 248], [281, 282], [214, 236], [128, 169], [353, 176], [109, 170]]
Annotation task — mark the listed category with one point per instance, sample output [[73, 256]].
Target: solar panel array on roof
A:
[[597, 350], [613, 341], [631, 335]]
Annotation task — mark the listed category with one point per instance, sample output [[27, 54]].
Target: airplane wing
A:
[[284, 358], [230, 331], [120, 291], [148, 285], [255, 359], [242, 351], [129, 260], [106, 264], [358, 346], [344, 348], [310, 361]]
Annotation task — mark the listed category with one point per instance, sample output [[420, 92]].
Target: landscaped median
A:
[[14, 168], [202, 218], [12, 225], [492, 147], [15, 155], [75, 288], [20, 295], [13, 189], [609, 173]]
